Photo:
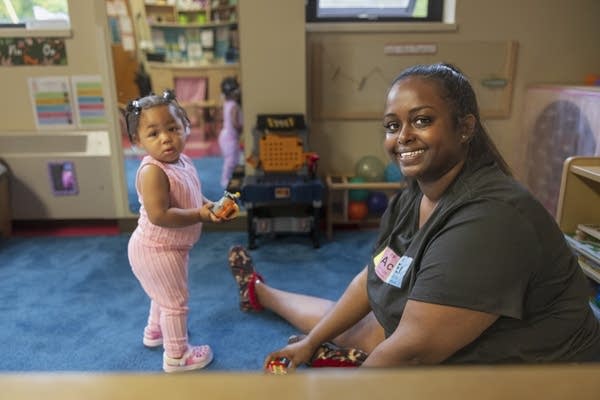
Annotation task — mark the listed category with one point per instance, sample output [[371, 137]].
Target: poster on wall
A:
[[32, 51], [89, 101], [51, 100]]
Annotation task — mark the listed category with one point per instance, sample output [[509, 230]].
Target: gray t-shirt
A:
[[488, 246]]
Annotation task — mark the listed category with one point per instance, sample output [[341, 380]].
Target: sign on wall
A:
[[32, 51]]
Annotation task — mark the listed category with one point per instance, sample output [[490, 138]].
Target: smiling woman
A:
[[34, 13]]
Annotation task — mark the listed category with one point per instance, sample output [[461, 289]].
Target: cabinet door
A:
[[123, 46], [125, 65]]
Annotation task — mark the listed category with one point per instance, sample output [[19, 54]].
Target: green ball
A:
[[371, 168], [357, 194]]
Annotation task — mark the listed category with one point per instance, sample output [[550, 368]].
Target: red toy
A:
[[278, 366], [226, 207]]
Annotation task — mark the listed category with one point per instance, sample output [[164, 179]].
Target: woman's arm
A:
[[352, 306], [154, 186], [428, 334]]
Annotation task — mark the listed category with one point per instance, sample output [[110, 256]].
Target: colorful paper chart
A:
[[89, 101], [51, 101]]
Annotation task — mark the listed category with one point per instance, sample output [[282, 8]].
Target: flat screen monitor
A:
[[373, 10]]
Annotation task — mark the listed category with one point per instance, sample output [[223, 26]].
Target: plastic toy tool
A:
[[278, 366], [227, 206]]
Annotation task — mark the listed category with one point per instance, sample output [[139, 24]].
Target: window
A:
[[374, 10], [34, 13]]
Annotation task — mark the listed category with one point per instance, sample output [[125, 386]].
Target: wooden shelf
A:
[[579, 203], [588, 172], [342, 182], [191, 25], [193, 65], [579, 193], [338, 186]]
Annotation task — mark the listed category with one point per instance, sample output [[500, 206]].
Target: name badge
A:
[[390, 267]]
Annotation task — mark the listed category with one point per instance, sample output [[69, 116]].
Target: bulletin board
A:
[[349, 80]]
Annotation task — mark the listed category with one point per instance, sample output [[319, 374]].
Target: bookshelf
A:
[[578, 214], [195, 31]]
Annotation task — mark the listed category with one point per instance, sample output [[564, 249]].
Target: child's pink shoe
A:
[[152, 338], [195, 357]]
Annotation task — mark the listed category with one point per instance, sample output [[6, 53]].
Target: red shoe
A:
[[246, 277]]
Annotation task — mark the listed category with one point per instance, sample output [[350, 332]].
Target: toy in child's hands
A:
[[278, 366], [226, 207]]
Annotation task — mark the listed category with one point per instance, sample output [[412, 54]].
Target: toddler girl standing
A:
[[229, 138], [170, 222]]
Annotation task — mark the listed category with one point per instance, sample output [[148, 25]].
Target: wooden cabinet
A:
[[579, 212], [338, 200]]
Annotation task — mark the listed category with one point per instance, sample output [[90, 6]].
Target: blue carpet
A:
[[72, 303], [209, 171]]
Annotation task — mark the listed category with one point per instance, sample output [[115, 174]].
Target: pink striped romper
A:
[[159, 256]]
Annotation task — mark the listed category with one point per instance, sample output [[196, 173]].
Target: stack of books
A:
[[586, 244]]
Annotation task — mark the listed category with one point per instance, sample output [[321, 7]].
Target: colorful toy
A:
[[371, 168], [278, 366], [226, 207], [357, 210]]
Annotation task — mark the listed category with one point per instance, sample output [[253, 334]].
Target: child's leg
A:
[[230, 150], [153, 318], [163, 275]]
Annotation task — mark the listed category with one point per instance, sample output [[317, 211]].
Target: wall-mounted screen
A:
[[373, 10]]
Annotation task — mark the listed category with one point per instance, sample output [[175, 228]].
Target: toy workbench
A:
[[284, 195]]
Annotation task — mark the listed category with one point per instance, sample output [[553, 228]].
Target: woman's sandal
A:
[[330, 355], [246, 277]]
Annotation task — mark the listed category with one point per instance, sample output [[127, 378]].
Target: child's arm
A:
[[154, 185]]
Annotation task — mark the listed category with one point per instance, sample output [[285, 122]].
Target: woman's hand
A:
[[297, 353]]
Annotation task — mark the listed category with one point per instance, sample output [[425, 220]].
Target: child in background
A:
[[170, 222], [229, 138]]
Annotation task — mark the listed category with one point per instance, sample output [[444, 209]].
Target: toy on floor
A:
[[278, 366], [227, 206]]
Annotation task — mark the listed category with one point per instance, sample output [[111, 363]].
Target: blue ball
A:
[[392, 173], [377, 202]]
